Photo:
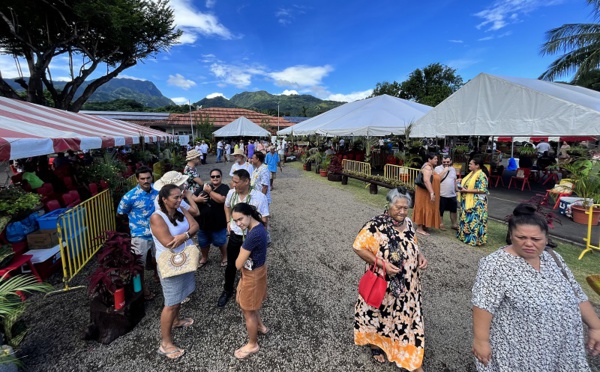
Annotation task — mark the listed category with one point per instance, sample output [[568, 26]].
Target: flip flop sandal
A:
[[223, 263], [377, 352], [202, 264], [241, 354], [186, 323], [187, 299], [169, 354]]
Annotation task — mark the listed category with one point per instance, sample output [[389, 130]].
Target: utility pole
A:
[[278, 116], [191, 123]]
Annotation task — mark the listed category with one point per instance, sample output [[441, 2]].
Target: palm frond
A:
[[9, 300]]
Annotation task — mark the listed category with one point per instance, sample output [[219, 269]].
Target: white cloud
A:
[[289, 92], [194, 23], [9, 69], [285, 16], [215, 95], [210, 3], [131, 77], [456, 41], [180, 100], [179, 81], [462, 63], [231, 74], [504, 12], [354, 96], [486, 38], [301, 76]]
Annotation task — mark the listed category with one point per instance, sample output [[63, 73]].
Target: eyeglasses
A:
[[215, 176]]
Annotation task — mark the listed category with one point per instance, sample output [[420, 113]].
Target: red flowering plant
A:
[[117, 266], [335, 166]]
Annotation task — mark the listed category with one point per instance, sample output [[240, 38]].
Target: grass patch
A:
[[589, 265]]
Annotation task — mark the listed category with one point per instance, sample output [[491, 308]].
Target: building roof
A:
[[221, 117], [129, 116], [295, 119]]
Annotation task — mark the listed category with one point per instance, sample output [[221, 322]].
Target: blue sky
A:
[[339, 50]]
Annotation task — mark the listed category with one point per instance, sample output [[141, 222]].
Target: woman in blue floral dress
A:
[[472, 227]]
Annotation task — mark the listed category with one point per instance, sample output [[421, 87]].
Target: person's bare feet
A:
[[245, 351], [422, 232], [263, 330]]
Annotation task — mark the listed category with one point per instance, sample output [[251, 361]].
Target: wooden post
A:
[[373, 189], [344, 179]]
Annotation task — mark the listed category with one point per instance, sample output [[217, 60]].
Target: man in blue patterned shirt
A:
[[138, 205]]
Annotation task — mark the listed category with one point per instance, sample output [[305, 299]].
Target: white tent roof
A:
[[242, 127], [377, 116], [492, 105]]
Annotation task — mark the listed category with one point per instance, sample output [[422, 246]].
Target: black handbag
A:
[[419, 181]]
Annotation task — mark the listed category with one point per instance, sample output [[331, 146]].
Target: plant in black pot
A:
[[334, 170], [118, 265]]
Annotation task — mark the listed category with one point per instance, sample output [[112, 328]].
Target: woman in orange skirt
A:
[[252, 288], [426, 212]]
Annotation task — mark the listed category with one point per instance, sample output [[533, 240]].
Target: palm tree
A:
[[579, 42]]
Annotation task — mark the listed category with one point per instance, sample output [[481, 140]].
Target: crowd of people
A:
[[166, 216]]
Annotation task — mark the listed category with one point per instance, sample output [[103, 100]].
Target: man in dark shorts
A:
[[448, 200]]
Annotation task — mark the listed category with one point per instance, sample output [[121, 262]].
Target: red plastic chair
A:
[[522, 176], [103, 184], [497, 178], [51, 205], [17, 178], [68, 181], [67, 200], [76, 198], [93, 189]]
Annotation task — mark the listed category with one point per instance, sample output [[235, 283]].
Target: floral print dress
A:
[[397, 325], [472, 226]]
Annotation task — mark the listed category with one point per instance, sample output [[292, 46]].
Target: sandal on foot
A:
[[224, 263], [375, 352], [173, 354], [202, 264], [243, 354], [443, 228], [184, 323]]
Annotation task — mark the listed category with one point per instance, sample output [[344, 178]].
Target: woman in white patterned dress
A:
[[528, 309]]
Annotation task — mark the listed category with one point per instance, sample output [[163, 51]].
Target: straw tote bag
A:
[[173, 264], [372, 287]]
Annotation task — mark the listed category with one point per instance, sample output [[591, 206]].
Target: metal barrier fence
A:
[[401, 173], [357, 166], [588, 240], [82, 231]]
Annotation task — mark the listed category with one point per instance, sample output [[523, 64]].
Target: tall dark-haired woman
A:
[[472, 226], [528, 309], [252, 288], [172, 228]]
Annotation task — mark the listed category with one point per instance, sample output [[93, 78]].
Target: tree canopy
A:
[[429, 86], [580, 43], [90, 33]]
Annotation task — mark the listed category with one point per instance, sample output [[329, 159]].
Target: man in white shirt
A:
[[240, 162], [240, 193], [448, 200], [219, 151], [204, 151], [227, 152], [542, 147]]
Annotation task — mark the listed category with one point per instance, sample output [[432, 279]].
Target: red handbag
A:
[[372, 287]]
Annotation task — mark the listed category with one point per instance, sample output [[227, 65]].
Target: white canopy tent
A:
[[377, 116], [242, 127], [492, 105]]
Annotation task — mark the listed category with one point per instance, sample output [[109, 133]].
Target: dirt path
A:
[[313, 279]]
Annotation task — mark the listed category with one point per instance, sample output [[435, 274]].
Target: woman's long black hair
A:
[[248, 210], [165, 192]]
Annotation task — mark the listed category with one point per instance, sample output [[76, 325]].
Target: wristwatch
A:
[[187, 234]]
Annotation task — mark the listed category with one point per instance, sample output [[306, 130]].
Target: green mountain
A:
[[142, 91], [216, 102], [292, 105]]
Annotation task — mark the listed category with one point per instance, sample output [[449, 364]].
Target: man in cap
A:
[[240, 193], [272, 161], [240, 162]]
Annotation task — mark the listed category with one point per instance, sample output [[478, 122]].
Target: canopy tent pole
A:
[[512, 147]]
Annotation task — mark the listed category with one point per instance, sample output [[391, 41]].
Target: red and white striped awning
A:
[[27, 129]]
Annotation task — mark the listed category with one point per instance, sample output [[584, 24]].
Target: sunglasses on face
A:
[[215, 176]]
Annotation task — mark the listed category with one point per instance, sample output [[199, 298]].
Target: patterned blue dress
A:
[[472, 227]]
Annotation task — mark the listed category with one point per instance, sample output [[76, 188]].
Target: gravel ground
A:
[[313, 280]]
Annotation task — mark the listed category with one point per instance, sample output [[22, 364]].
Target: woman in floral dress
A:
[[396, 327], [472, 227]]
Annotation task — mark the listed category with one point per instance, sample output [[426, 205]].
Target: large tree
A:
[[580, 43], [429, 86], [90, 33]]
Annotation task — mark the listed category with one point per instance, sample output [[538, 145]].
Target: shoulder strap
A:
[[560, 266]]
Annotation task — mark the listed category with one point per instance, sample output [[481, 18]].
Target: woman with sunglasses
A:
[[213, 223]]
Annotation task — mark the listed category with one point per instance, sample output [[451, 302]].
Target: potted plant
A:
[[334, 170], [585, 174], [314, 156], [17, 203], [306, 165], [324, 165], [117, 267]]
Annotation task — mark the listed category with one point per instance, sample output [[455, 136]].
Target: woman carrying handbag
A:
[[394, 329]]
